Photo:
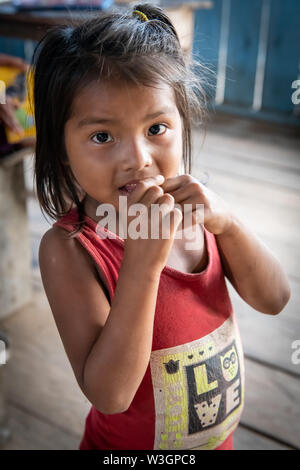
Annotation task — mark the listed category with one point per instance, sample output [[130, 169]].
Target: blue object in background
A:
[[254, 47], [12, 46], [283, 55], [242, 53]]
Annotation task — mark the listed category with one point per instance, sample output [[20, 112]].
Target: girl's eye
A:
[[102, 138], [157, 129]]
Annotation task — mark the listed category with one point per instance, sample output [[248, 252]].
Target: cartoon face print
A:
[[229, 364]]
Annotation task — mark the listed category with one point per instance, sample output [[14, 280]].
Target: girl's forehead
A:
[[120, 95]]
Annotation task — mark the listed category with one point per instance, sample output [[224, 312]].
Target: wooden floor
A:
[[256, 169]]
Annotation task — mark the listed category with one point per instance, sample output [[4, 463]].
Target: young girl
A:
[[147, 324]]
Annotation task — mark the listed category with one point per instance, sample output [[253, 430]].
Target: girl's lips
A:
[[128, 188]]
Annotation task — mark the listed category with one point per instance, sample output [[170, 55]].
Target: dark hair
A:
[[112, 44]]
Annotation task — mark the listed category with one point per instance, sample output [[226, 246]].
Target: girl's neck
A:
[[90, 208]]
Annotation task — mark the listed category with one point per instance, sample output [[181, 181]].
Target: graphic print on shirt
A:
[[198, 390]]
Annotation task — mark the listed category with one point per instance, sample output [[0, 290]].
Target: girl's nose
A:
[[135, 156]]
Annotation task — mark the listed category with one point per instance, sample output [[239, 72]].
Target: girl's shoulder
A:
[[60, 254], [55, 245]]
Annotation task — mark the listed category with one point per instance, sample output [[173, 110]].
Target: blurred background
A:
[[248, 152]]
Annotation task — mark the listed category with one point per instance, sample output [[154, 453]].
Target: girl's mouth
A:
[[127, 189]]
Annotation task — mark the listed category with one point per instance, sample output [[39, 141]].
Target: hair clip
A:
[[140, 15]]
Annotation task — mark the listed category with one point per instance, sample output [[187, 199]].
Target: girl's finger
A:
[[142, 187], [180, 194], [171, 184], [184, 195], [175, 219], [151, 195]]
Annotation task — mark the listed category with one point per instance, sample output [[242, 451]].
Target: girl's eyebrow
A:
[[88, 121]]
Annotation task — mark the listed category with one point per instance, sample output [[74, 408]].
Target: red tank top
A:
[[192, 394]]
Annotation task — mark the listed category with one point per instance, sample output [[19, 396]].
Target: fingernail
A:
[[160, 177]]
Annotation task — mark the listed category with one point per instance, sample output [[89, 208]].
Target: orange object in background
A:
[[19, 86]]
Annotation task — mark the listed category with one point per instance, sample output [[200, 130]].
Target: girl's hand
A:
[[151, 253], [188, 190]]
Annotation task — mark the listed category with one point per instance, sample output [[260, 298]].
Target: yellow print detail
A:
[[198, 390]]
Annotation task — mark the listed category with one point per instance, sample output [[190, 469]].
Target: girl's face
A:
[[120, 132]]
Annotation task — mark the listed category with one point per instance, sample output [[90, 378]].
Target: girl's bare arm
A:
[[252, 269], [121, 353], [108, 347], [250, 266]]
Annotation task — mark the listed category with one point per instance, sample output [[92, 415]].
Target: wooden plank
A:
[[50, 393], [269, 210], [244, 439], [277, 205], [257, 140], [244, 168], [258, 152], [259, 149], [32, 433], [272, 403], [258, 196]]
